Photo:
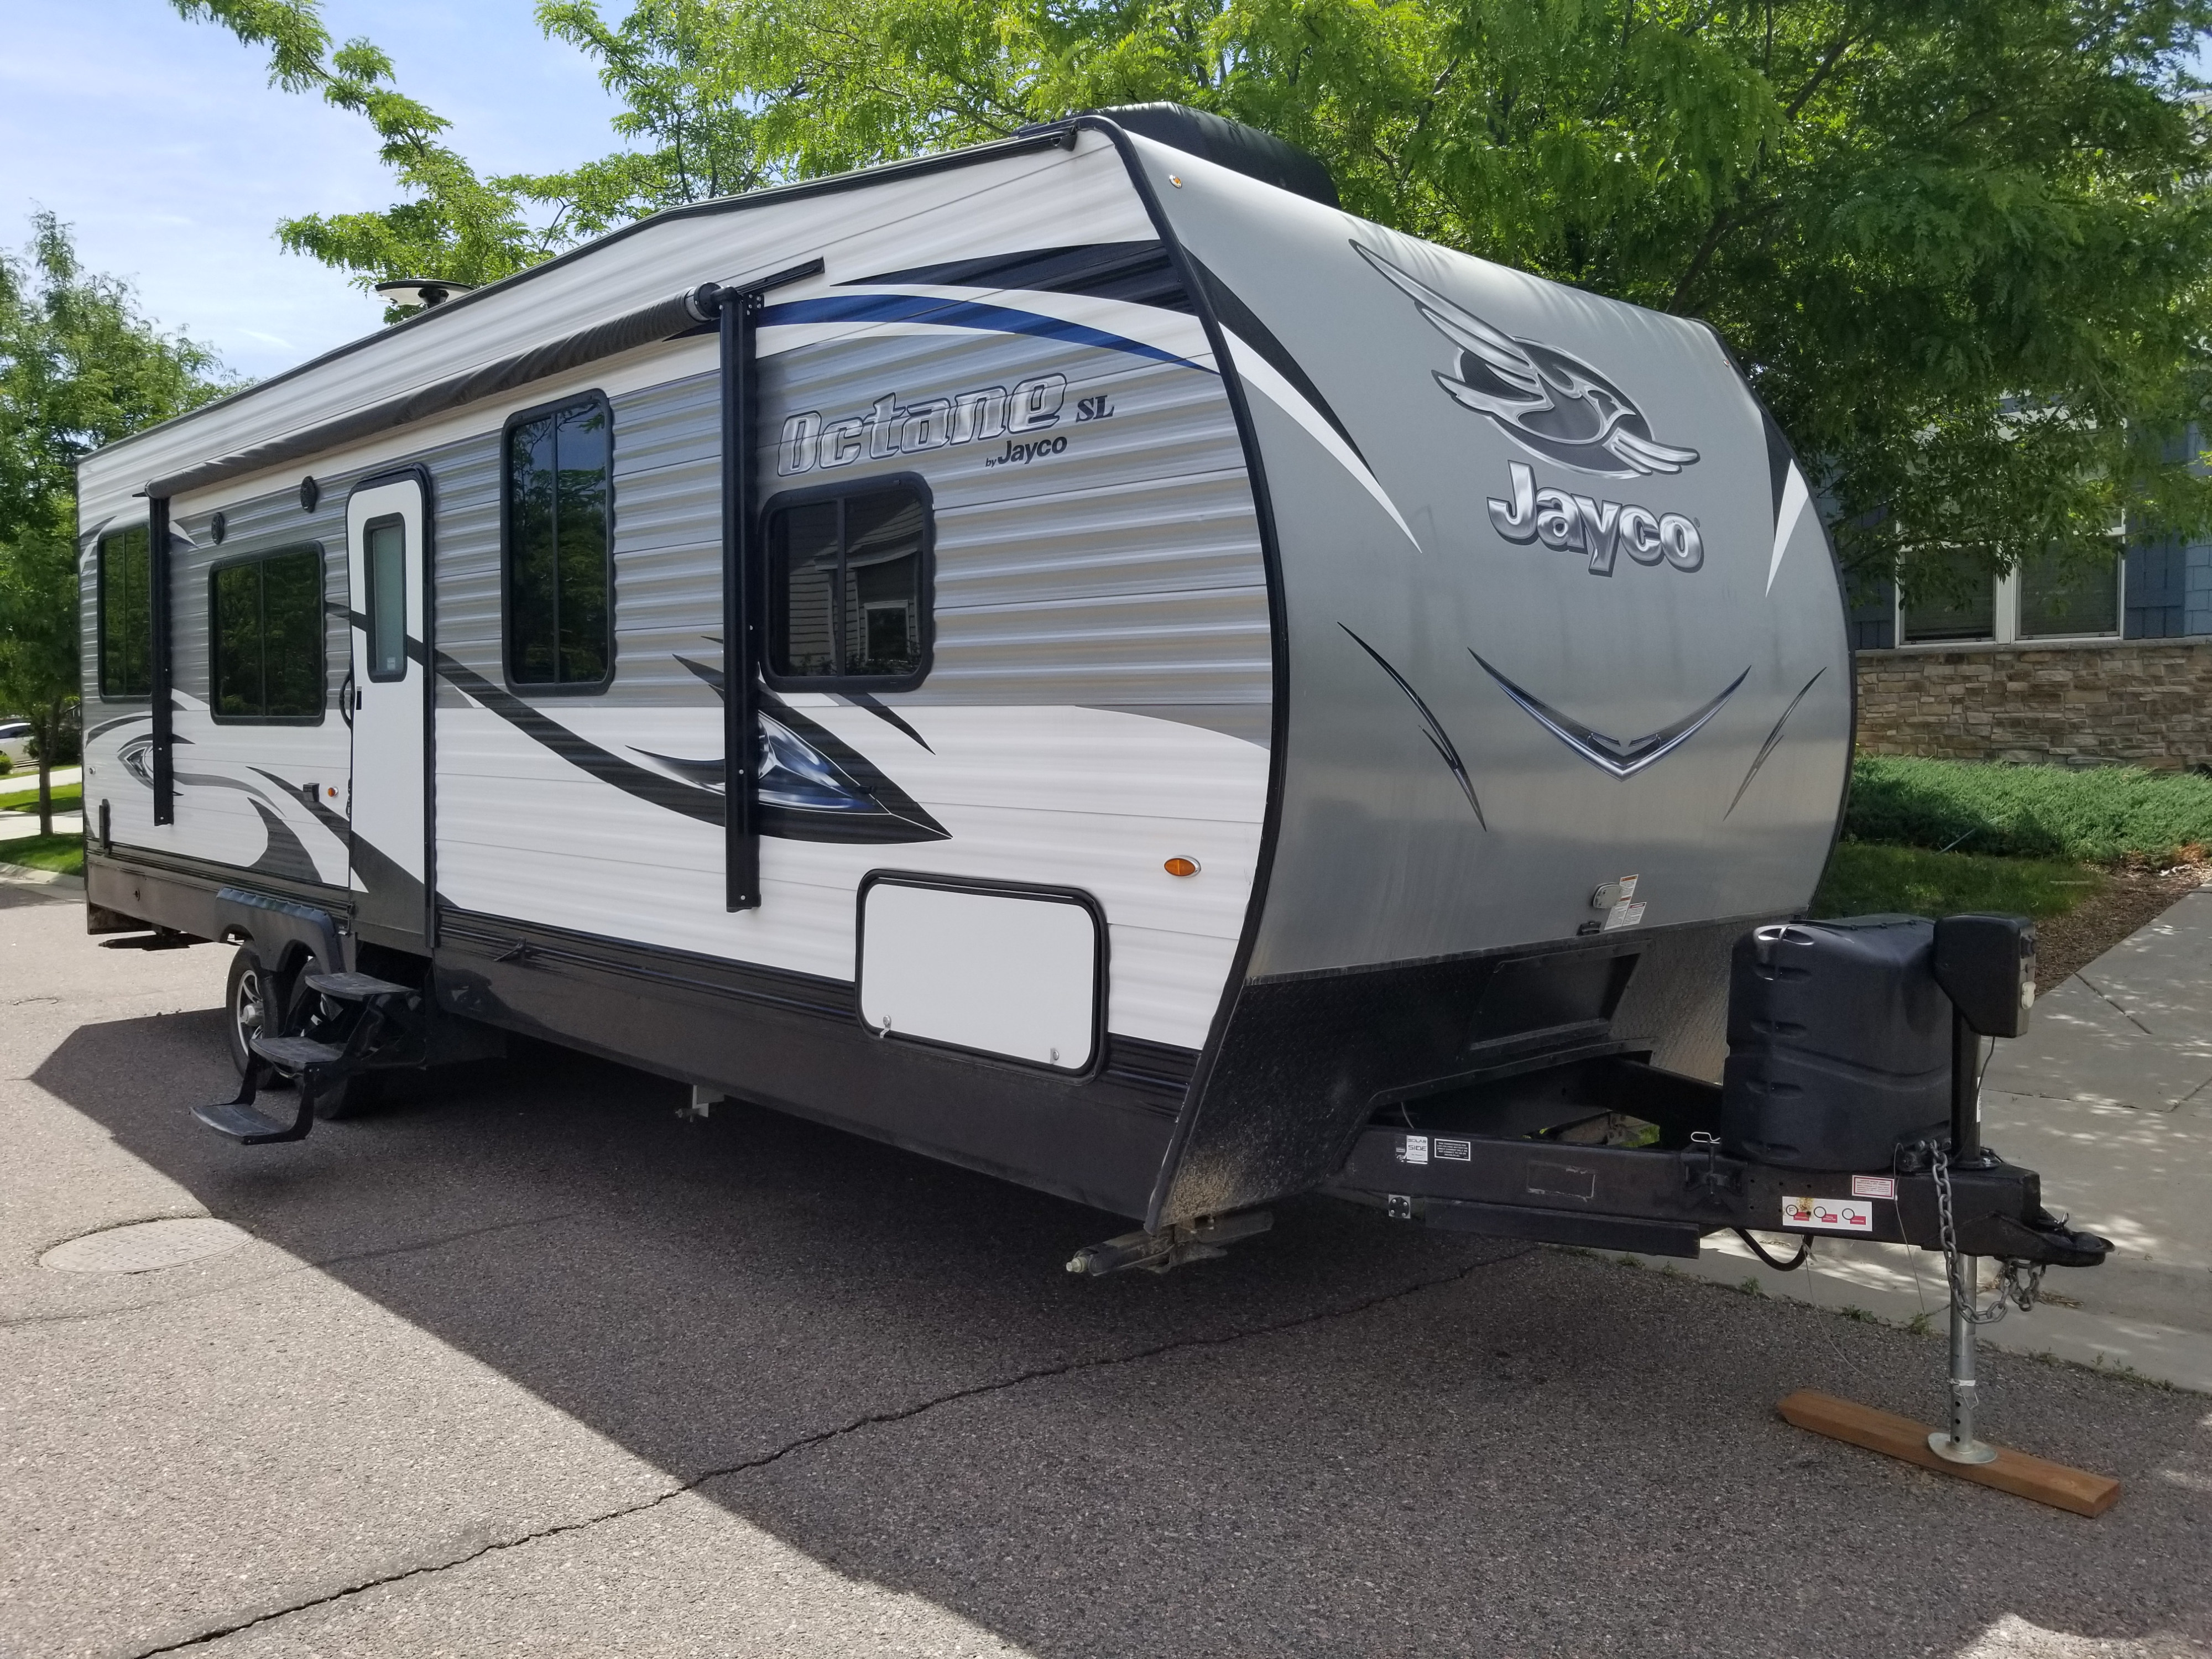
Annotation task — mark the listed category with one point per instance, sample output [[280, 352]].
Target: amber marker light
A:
[[1181, 866]]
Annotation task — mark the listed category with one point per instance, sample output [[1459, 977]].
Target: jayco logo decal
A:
[[890, 428], [1552, 405], [1601, 529]]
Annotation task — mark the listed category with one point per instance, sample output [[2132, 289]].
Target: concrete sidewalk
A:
[[2110, 1097]]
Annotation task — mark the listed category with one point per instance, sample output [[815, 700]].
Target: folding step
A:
[[354, 988], [251, 1128], [296, 1053]]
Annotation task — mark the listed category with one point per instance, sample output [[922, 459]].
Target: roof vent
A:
[[1228, 143]]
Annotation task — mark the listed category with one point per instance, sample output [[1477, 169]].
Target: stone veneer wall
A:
[[2143, 703]]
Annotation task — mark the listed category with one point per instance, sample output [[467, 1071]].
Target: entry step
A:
[[296, 1053], [353, 987], [249, 1128]]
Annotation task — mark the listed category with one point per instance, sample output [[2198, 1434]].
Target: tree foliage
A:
[[79, 368], [1962, 246]]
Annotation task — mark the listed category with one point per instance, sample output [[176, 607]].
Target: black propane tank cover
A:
[[1986, 964], [1840, 1043]]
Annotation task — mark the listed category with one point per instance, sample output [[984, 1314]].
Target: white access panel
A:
[[1003, 973]]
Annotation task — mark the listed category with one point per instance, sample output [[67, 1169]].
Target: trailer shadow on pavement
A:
[[1348, 1436]]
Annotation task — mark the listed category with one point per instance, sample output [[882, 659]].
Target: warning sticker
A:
[[1874, 1185], [1623, 914], [1414, 1149], [1828, 1215], [1460, 1151]]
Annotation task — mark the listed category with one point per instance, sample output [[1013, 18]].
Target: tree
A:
[[79, 368], [1963, 247]]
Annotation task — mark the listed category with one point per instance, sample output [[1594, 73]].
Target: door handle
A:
[[346, 699]]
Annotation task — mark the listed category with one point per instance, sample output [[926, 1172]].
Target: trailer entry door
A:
[[387, 537]]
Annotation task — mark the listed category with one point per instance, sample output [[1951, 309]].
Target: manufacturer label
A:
[[1414, 1149], [1460, 1151], [1828, 1215], [1874, 1185]]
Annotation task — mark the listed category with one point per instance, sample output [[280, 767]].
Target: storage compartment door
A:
[[1015, 972]]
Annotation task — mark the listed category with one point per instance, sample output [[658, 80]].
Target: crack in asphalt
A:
[[821, 1437]]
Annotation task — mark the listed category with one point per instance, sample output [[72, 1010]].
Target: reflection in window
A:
[[2060, 597], [559, 577], [1957, 600], [846, 586], [266, 638], [126, 618], [388, 599]]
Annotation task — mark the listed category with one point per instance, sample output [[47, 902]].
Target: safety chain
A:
[[2018, 1286]]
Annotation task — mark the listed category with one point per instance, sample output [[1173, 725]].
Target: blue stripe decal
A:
[[956, 314]]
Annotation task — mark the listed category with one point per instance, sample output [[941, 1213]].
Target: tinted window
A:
[[126, 624], [2061, 597], [387, 600], [559, 609], [1960, 602], [266, 638], [848, 586]]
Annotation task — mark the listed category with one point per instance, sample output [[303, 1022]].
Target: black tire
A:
[[256, 1000], [251, 999]]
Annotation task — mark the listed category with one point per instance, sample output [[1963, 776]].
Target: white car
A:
[[15, 741]]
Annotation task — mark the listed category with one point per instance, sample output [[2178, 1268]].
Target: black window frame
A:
[[551, 688], [925, 598], [100, 623], [262, 555]]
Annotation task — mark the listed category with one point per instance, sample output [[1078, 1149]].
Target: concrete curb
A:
[[1878, 1281], [17, 875]]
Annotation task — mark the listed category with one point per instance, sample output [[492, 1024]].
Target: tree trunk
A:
[[45, 732]]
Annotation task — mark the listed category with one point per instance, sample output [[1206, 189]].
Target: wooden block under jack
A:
[[2017, 1473]]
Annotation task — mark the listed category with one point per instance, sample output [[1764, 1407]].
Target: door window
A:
[[386, 547]]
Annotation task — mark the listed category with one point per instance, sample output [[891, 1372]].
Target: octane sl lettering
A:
[[1583, 524], [891, 428]]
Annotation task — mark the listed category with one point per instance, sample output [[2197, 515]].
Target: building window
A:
[[1961, 603], [2068, 598], [126, 614], [848, 587], [266, 638], [559, 519]]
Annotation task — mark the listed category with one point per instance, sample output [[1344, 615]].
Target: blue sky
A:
[[162, 142]]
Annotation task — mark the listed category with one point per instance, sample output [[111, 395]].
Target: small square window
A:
[[266, 638], [848, 586]]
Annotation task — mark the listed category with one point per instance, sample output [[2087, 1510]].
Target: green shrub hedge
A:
[[2102, 814]]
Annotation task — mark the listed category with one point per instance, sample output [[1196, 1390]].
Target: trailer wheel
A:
[[257, 999], [251, 999]]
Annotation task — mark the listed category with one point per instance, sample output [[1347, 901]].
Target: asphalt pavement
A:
[[527, 1363]]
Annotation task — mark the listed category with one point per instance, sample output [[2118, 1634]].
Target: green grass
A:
[[1864, 880], [62, 852], [2102, 815], [68, 799]]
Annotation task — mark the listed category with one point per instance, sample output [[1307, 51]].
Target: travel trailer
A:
[[1075, 656]]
